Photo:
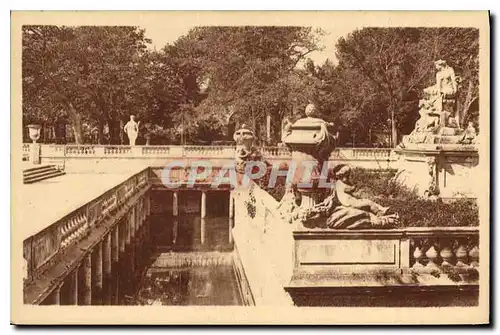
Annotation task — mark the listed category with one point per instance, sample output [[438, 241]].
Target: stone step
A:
[[39, 172], [44, 176], [37, 168]]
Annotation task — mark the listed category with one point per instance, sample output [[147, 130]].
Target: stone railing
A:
[[195, 151], [76, 150], [419, 249], [117, 150], [204, 151], [40, 250], [441, 248], [276, 152]]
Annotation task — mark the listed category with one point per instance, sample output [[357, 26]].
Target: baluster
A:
[[418, 255], [64, 232], [474, 256], [461, 254], [73, 231], [432, 255], [446, 253]]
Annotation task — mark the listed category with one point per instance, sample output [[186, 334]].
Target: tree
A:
[[94, 74], [247, 70], [391, 66]]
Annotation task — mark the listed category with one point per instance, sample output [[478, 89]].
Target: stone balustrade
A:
[[156, 150], [423, 249], [117, 150], [276, 152], [78, 150], [439, 249], [69, 156], [41, 250]]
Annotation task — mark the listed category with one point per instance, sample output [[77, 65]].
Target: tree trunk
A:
[[121, 132], [76, 121], [467, 103], [100, 139], [115, 132], [394, 134]]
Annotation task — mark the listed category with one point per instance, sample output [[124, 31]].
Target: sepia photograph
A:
[[264, 168]]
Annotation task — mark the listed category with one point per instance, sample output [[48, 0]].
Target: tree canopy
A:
[[95, 77]]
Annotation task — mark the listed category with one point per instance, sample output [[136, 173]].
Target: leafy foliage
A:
[[413, 210], [95, 77]]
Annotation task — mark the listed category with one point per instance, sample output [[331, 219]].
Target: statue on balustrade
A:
[[439, 121], [339, 210], [132, 130]]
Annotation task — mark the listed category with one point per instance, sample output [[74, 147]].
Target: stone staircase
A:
[[39, 173]]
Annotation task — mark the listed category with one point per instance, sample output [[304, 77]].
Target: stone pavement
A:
[[43, 203]]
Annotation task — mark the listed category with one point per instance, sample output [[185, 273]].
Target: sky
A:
[[161, 34]]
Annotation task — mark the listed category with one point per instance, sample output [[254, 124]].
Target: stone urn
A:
[[244, 138], [311, 141], [34, 132]]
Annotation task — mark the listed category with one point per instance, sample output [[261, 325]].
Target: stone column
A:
[[133, 241], [72, 282], [122, 233], [97, 277], [175, 227], [87, 280], [133, 224], [128, 229], [231, 205], [55, 296], [202, 230], [106, 268], [230, 228], [115, 245], [148, 204], [115, 258], [175, 204], [203, 204]]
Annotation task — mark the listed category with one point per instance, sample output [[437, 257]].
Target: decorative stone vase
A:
[[34, 132], [311, 141], [244, 147]]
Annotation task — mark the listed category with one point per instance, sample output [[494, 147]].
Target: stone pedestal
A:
[[445, 171], [35, 153], [136, 150]]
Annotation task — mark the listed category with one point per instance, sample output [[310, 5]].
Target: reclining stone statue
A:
[[339, 210]]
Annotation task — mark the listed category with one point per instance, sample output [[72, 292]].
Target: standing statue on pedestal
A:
[[446, 83], [132, 130], [443, 94], [439, 121]]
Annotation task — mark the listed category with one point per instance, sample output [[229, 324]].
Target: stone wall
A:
[[450, 172], [264, 246]]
